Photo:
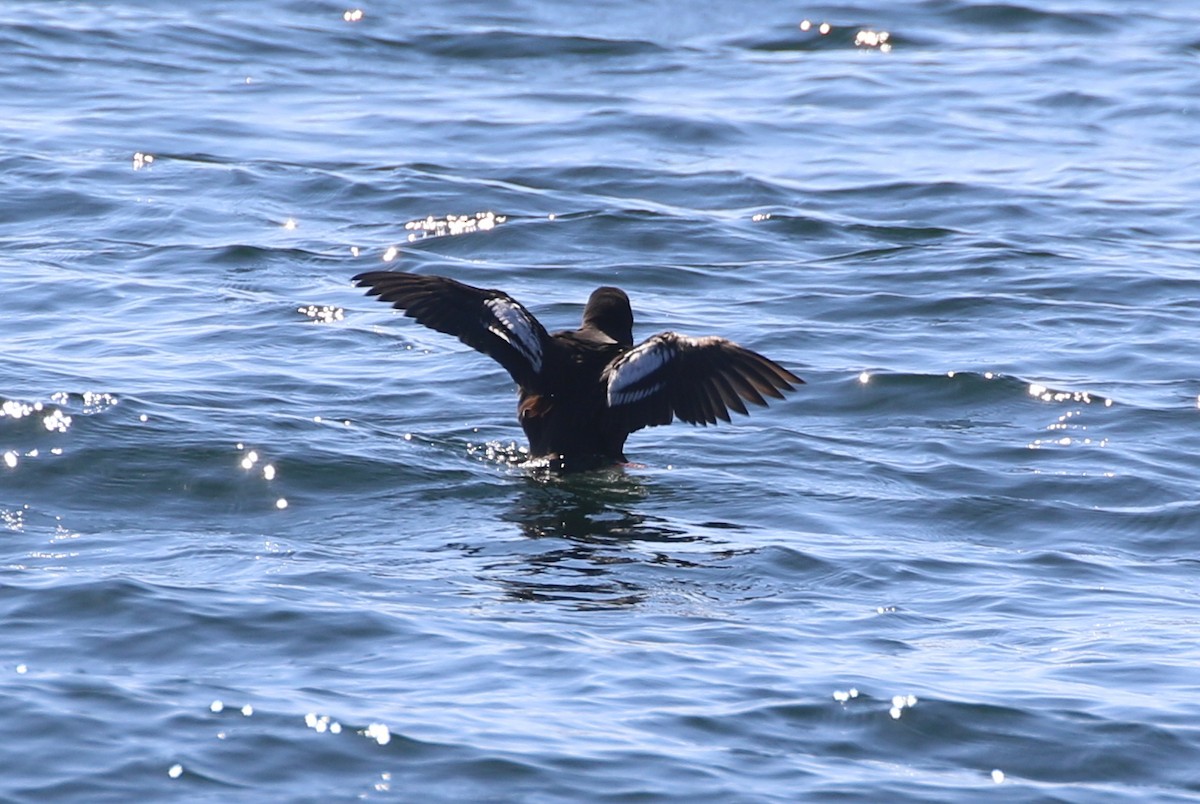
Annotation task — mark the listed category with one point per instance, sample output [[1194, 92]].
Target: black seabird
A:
[[584, 391]]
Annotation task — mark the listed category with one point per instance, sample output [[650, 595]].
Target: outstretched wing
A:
[[487, 320], [697, 380]]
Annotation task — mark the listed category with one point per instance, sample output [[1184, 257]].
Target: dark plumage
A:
[[583, 391]]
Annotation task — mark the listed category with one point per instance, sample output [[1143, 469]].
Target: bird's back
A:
[[568, 420]]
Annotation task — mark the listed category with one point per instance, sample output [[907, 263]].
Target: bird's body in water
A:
[[583, 391]]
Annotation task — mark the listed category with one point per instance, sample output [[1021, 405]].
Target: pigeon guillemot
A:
[[583, 391]]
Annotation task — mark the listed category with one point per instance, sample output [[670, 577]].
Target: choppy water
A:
[[259, 537]]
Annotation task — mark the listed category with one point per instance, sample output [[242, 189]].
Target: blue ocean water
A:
[[263, 539]]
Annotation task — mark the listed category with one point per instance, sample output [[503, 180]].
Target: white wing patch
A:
[[633, 377], [519, 330]]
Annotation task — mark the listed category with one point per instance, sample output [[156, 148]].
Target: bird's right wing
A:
[[487, 320], [697, 380]]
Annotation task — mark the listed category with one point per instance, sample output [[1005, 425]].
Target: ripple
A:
[[506, 44], [1008, 17], [206, 498]]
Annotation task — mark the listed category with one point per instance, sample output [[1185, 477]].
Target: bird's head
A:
[[608, 311]]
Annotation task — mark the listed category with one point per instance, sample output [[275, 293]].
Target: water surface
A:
[[262, 538]]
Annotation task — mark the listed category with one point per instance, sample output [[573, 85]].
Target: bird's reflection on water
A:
[[589, 508], [587, 523]]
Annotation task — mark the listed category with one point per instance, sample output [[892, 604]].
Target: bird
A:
[[582, 392]]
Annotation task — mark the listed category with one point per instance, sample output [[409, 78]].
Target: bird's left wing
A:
[[487, 320], [697, 380]]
